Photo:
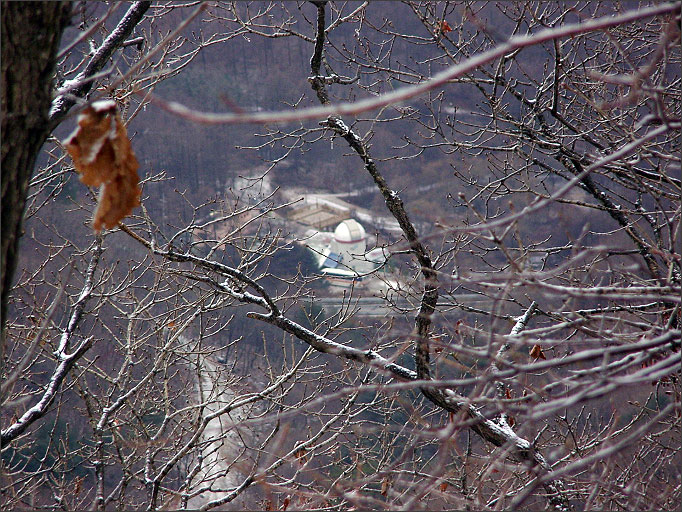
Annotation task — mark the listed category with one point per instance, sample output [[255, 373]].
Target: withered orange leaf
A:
[[385, 484], [445, 27], [443, 486], [300, 454], [537, 353], [104, 157], [78, 487]]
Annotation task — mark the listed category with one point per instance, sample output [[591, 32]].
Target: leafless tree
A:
[[527, 154]]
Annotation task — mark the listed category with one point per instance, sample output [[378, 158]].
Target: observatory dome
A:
[[349, 231]]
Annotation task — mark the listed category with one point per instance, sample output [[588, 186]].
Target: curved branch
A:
[[413, 91], [393, 203], [80, 86], [500, 434], [66, 361]]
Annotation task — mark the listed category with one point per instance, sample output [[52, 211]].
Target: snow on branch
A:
[[65, 360], [79, 86]]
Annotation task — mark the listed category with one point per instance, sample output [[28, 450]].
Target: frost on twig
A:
[[65, 360], [80, 86]]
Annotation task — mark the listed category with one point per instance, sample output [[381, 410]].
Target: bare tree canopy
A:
[[406, 255]]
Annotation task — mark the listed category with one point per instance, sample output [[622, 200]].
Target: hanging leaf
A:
[[300, 454], [445, 27], [78, 485], [104, 157], [385, 484], [443, 486], [537, 353]]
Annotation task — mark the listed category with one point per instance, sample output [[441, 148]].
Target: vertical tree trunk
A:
[[31, 32]]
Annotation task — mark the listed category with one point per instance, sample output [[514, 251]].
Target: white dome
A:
[[349, 231]]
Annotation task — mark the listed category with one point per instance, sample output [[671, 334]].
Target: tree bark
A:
[[31, 32]]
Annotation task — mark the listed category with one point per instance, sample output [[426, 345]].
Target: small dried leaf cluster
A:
[[104, 157]]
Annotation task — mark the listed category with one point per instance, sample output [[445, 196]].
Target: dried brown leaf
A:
[[385, 484], [300, 454], [103, 155], [537, 353]]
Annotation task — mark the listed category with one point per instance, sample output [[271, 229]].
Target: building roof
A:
[[349, 231], [316, 215], [332, 260]]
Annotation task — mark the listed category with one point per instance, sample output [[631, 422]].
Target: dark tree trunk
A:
[[31, 32]]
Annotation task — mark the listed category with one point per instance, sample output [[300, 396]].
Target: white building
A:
[[343, 258]]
